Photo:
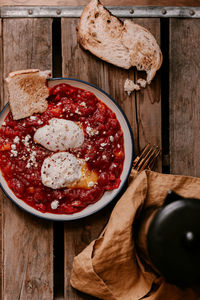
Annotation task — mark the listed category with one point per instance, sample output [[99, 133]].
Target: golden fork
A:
[[147, 158]]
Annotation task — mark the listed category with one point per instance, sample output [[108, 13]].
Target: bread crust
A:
[[15, 73], [124, 44], [27, 92]]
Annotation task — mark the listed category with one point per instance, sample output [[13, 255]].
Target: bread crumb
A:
[[130, 86], [142, 82]]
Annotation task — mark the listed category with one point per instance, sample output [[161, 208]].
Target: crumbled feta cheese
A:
[[26, 140], [111, 138], [89, 146], [32, 159], [16, 140], [28, 165], [13, 147], [118, 146], [77, 111], [90, 184], [4, 123], [54, 204], [83, 104], [76, 203], [89, 130], [14, 153], [32, 118], [33, 156], [104, 157], [87, 158], [103, 144], [40, 122]]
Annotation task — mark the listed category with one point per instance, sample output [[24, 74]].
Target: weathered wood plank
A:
[[27, 240], [149, 100], [78, 63], [106, 2], [184, 97]]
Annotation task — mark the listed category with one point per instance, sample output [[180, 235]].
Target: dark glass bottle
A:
[[168, 240]]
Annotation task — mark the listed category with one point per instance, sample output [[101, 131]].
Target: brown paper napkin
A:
[[110, 267]]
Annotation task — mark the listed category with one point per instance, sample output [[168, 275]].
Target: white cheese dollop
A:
[[60, 170], [60, 135]]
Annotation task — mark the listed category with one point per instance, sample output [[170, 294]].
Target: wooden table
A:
[[36, 255]]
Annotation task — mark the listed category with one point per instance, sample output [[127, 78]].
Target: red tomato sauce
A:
[[21, 159]]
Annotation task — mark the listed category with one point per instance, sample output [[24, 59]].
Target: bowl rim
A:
[[45, 215]]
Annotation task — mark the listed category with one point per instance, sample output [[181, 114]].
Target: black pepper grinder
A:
[[172, 237]]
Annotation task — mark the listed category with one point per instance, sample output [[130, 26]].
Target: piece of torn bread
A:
[[124, 44], [27, 92]]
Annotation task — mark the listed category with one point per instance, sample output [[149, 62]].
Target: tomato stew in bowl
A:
[[107, 152]]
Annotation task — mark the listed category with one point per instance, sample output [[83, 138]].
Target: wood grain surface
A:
[[184, 97], [27, 240], [78, 63], [149, 100], [105, 2]]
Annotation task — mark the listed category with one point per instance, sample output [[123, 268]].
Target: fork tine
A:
[[141, 156], [153, 161], [147, 158], [144, 160], [150, 158]]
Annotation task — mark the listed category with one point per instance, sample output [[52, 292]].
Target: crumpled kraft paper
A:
[[110, 267]]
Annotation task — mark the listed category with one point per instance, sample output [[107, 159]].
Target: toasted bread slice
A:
[[124, 44], [27, 91]]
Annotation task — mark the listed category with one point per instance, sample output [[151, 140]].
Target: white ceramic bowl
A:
[[128, 146]]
